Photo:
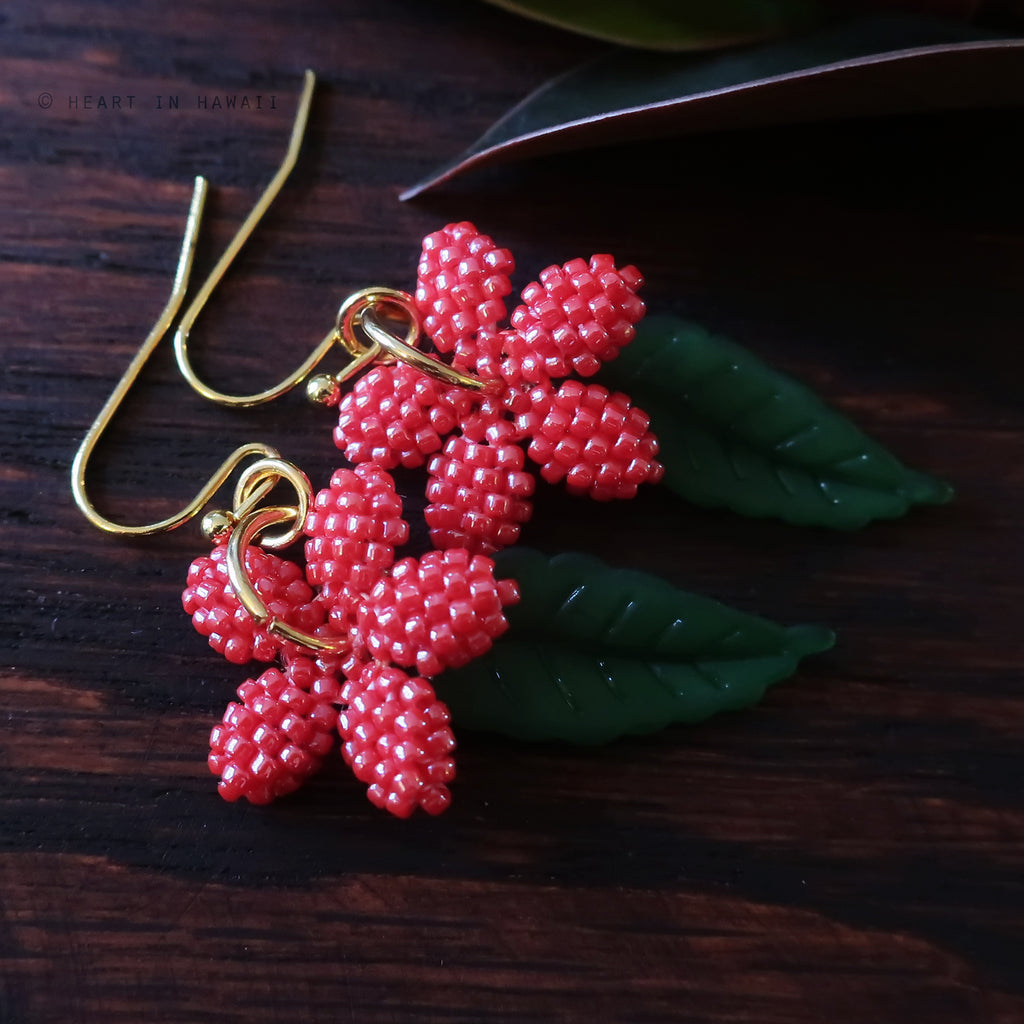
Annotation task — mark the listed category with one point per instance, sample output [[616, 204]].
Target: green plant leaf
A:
[[735, 433], [596, 652], [671, 24], [885, 64]]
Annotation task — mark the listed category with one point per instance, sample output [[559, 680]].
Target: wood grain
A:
[[852, 850]]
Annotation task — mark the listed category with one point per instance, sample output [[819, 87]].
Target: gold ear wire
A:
[[362, 337], [81, 461], [181, 336]]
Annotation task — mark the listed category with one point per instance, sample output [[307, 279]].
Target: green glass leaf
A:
[[595, 652], [671, 24], [735, 433]]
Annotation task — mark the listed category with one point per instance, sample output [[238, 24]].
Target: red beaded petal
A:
[[395, 415], [218, 614], [463, 277], [353, 528], [576, 317], [271, 742], [479, 496], [439, 611], [396, 738], [593, 439]]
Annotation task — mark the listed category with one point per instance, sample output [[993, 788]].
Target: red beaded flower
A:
[[427, 614], [571, 320]]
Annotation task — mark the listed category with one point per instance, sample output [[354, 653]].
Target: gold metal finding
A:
[[181, 336], [80, 465], [349, 323], [246, 531], [356, 316], [250, 490], [359, 313], [255, 482]]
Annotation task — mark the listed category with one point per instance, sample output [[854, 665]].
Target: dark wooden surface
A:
[[850, 851]]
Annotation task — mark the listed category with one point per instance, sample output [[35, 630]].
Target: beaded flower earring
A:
[[572, 320], [500, 390], [358, 656]]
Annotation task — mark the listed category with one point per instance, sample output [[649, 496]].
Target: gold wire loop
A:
[[358, 315], [354, 340], [248, 528], [427, 364], [351, 311], [257, 480], [80, 464], [181, 336]]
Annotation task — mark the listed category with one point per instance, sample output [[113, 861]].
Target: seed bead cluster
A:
[[218, 614], [396, 416], [479, 495], [353, 527], [398, 740], [573, 319], [435, 612], [267, 745], [463, 277], [593, 439]]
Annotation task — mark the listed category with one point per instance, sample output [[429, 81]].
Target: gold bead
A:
[[323, 389], [217, 525]]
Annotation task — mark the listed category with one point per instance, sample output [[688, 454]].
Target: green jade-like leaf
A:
[[670, 24], [595, 652], [736, 433]]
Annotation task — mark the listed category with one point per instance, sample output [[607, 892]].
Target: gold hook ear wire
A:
[[80, 464], [375, 340], [181, 336]]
